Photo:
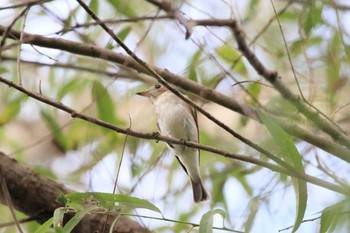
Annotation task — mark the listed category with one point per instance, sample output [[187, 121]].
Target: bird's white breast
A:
[[175, 118]]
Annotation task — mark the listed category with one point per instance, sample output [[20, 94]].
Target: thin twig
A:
[[8, 224], [20, 48], [184, 98], [25, 3], [156, 75], [204, 92], [6, 32], [114, 21], [121, 157], [7, 197], [181, 222], [106, 54], [287, 49], [151, 136], [174, 13], [313, 115]]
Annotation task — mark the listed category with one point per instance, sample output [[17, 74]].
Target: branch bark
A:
[[106, 54], [35, 196], [310, 112], [283, 167], [318, 140]]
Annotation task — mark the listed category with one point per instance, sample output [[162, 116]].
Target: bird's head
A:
[[153, 92]]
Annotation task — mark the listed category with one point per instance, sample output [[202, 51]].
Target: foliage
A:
[[300, 116]]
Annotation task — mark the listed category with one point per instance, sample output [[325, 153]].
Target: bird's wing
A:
[[194, 115], [183, 166]]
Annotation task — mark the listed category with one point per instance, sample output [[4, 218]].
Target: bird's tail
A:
[[199, 192]]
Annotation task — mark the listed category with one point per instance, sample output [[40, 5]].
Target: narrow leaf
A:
[[313, 17], [94, 6], [58, 215], [55, 129], [77, 218], [11, 111], [192, 74], [104, 103], [122, 34], [291, 155], [327, 217], [335, 217], [69, 87], [206, 223], [123, 7], [231, 56], [45, 226], [108, 200]]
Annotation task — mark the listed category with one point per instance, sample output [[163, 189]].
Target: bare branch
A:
[[174, 13], [286, 169], [24, 4], [105, 54], [204, 92], [272, 76]]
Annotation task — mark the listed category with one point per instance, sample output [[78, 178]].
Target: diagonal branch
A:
[[202, 91], [174, 13], [287, 169], [272, 76], [106, 54]]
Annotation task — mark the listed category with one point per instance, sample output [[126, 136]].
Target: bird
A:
[[177, 119]]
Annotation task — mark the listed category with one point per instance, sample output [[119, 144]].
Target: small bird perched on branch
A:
[[179, 120]]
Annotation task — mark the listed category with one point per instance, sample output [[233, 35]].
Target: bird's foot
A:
[[156, 135], [183, 143]]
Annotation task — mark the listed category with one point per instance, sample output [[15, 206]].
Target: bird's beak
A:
[[143, 93]]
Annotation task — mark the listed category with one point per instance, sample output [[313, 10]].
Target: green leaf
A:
[[56, 130], [94, 6], [291, 155], [61, 199], [254, 89], [253, 6], [45, 227], [70, 87], [254, 206], [288, 15], [192, 74], [313, 17], [3, 70], [11, 111], [206, 223], [231, 56], [327, 218], [298, 45], [123, 7], [111, 201], [335, 217], [104, 102], [280, 105], [122, 34], [69, 226], [58, 215], [214, 81]]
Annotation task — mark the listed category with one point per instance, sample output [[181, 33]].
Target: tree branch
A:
[[174, 13], [286, 169], [272, 76], [35, 196], [106, 54], [204, 92]]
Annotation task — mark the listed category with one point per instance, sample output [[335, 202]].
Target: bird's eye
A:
[[157, 86]]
